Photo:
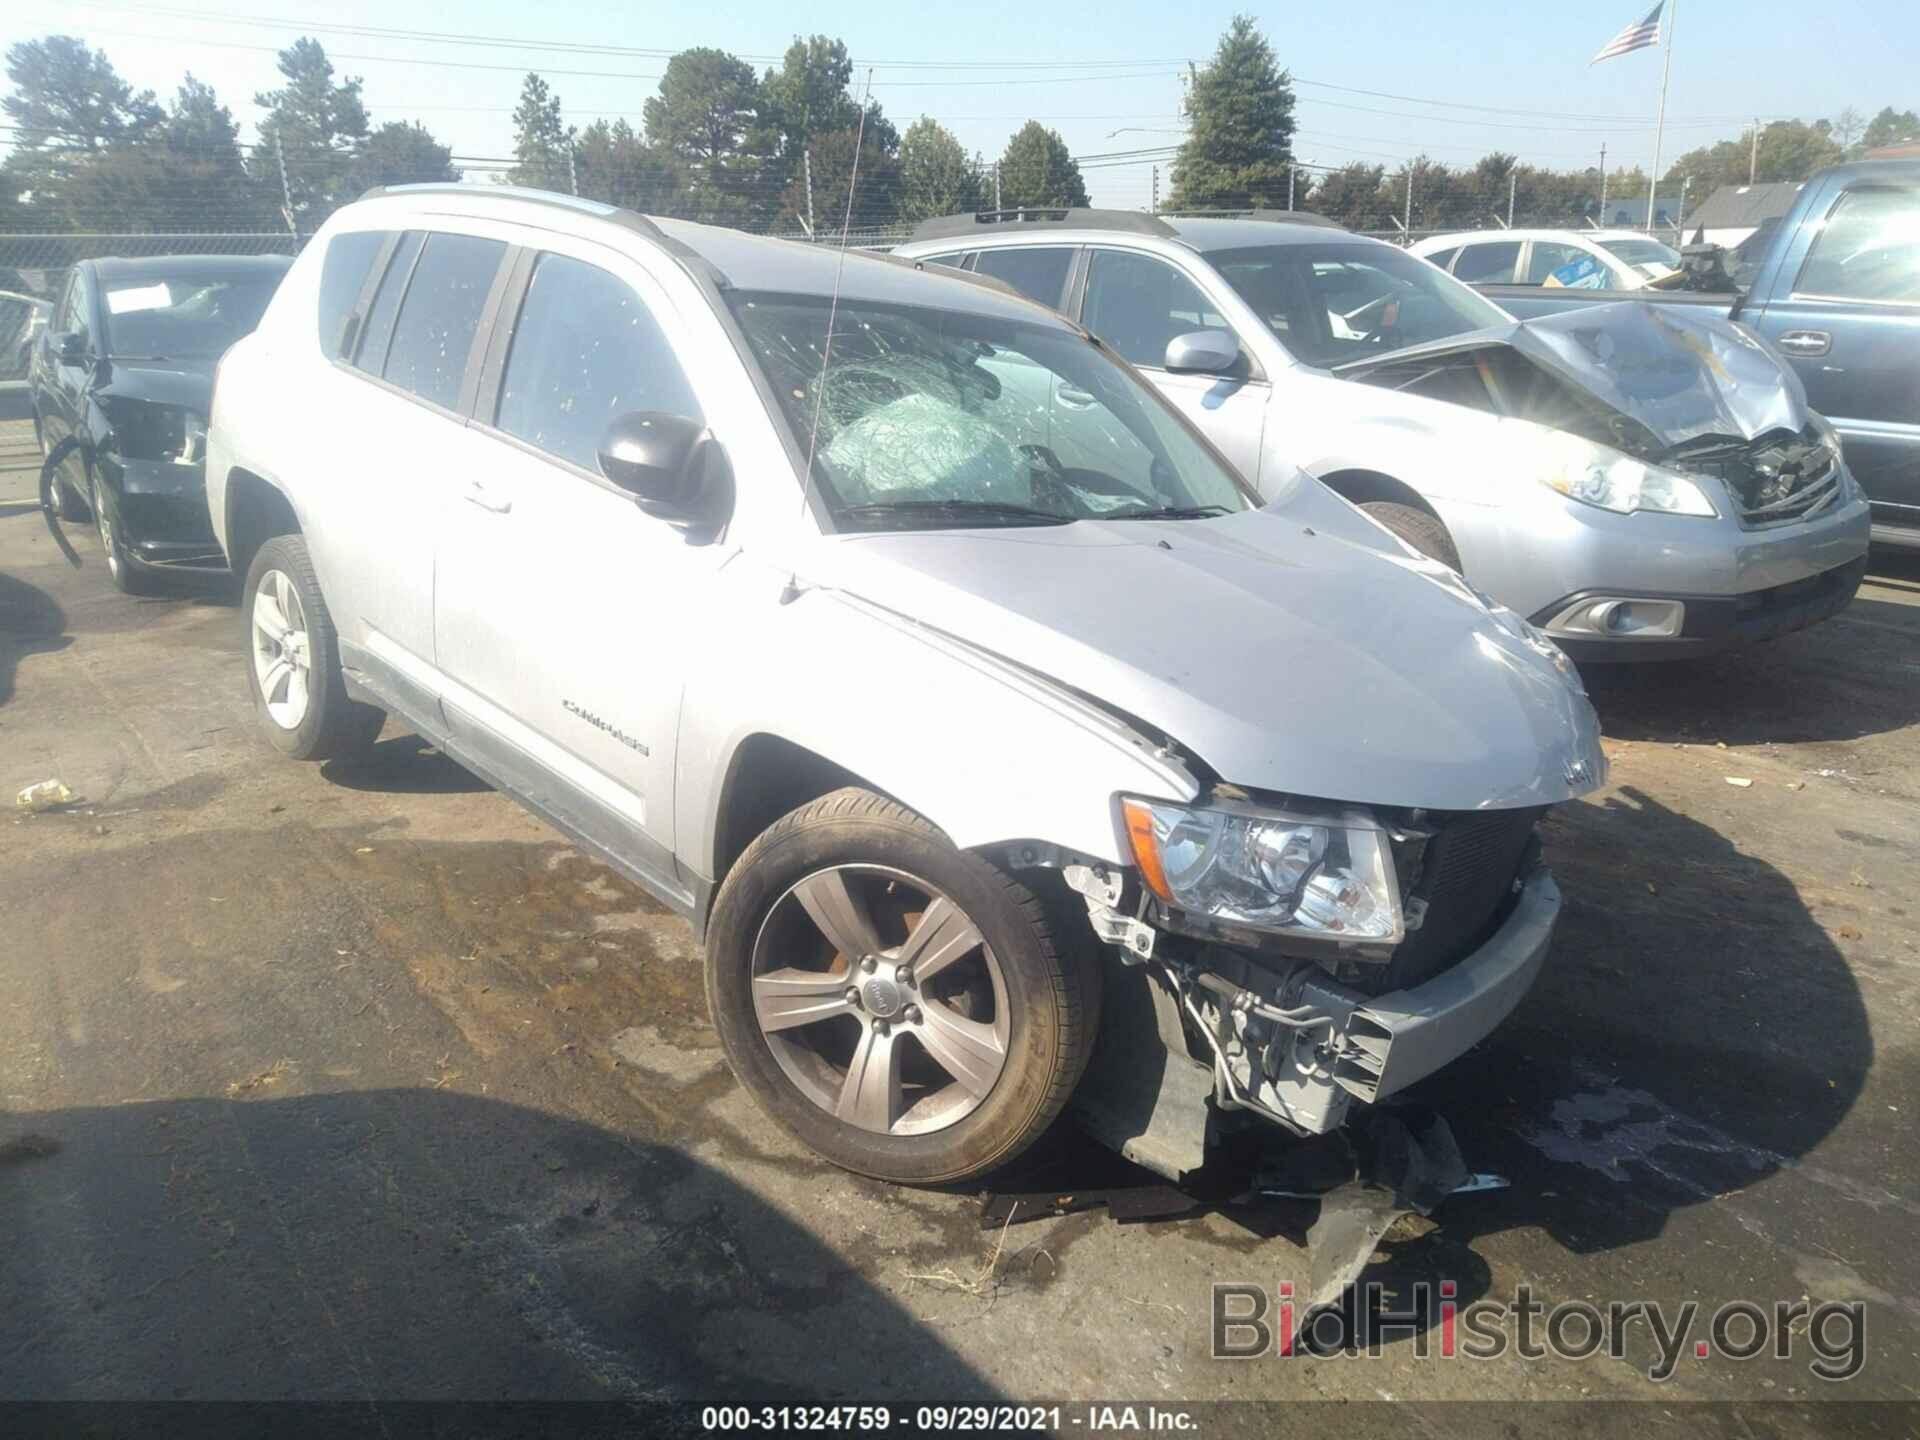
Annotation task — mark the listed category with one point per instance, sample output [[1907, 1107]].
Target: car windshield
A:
[[1642, 252], [185, 317], [1329, 304], [945, 419]]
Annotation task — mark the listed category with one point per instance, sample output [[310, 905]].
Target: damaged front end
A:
[[1674, 387], [1213, 1024]]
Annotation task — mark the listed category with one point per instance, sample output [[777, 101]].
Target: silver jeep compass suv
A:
[[922, 656]]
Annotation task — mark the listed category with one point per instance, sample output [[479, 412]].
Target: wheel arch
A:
[[256, 511], [1359, 486]]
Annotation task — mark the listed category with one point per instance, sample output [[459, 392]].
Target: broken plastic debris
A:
[[44, 796], [1740, 780]]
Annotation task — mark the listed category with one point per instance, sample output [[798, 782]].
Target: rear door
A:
[[1846, 313], [563, 614], [1136, 303]]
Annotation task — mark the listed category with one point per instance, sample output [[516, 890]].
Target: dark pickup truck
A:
[[1836, 290]]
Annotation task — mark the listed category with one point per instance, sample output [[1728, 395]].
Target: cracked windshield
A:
[[937, 419]]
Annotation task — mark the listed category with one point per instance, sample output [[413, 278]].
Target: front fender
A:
[[986, 750]]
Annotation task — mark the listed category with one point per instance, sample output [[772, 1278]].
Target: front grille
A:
[[1463, 874], [1774, 480]]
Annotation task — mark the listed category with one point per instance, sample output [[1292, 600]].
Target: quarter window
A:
[[377, 333], [585, 352], [1038, 272], [1137, 304], [439, 315], [1868, 249], [956, 259], [343, 274], [1488, 264]]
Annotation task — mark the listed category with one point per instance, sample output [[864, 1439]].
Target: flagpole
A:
[[1660, 126]]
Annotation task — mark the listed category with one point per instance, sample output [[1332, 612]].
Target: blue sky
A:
[[1106, 76]]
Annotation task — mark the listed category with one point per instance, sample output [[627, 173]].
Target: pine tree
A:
[[542, 142], [936, 175], [1239, 142], [1037, 171], [68, 106], [710, 104], [317, 127]]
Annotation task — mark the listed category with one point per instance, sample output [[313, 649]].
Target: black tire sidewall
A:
[[1417, 528], [1014, 1112], [325, 689]]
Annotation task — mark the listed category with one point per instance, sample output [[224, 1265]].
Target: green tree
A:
[[875, 197], [1351, 195], [1889, 127], [936, 176], [318, 126], [68, 105], [400, 153], [617, 167], [709, 104], [1240, 128], [1037, 171], [1848, 126], [1787, 150], [542, 141]]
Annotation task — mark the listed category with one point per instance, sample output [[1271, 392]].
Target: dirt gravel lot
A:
[[360, 1085]]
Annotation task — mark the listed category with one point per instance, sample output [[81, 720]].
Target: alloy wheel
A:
[[880, 1000], [282, 651]]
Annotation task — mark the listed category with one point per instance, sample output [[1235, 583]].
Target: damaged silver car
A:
[[1641, 482], [1003, 750]]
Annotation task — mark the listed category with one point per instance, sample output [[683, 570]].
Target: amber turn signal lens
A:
[[1146, 854]]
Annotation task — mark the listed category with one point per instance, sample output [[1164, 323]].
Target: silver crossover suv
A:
[[1643, 483], [940, 673]]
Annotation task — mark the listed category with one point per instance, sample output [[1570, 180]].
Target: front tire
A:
[[126, 575], [1422, 531], [898, 1004], [293, 659]]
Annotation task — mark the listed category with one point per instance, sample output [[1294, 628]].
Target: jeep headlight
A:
[[1596, 475], [1328, 877]]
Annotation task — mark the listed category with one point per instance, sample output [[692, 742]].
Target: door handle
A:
[[478, 496], [1806, 342], [1078, 399]]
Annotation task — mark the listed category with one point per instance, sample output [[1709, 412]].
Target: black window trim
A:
[[482, 334], [491, 372], [1249, 372]]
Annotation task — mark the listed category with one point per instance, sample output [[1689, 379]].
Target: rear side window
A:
[[1551, 255], [1868, 249], [1443, 258], [439, 315], [1039, 273], [377, 332], [343, 274], [1488, 264], [585, 352], [957, 259]]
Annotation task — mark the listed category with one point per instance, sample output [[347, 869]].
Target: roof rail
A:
[[1275, 217], [986, 222]]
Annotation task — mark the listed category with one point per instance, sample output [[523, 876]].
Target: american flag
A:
[[1634, 37]]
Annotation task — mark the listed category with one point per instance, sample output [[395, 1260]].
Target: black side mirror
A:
[[663, 461], [71, 347]]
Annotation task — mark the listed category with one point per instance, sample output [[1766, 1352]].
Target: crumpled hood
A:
[[1296, 649], [186, 384], [1680, 372]]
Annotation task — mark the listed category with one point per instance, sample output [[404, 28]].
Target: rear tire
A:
[[1422, 531], [293, 660], [952, 938]]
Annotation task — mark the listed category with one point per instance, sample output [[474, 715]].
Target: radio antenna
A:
[[833, 305]]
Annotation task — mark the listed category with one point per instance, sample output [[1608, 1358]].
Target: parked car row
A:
[[1012, 713]]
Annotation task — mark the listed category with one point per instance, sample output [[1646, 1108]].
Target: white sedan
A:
[[1577, 259]]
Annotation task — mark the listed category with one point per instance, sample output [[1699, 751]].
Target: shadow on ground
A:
[[408, 1244], [404, 765], [31, 623]]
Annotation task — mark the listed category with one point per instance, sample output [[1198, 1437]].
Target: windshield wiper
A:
[[963, 509], [1172, 512]]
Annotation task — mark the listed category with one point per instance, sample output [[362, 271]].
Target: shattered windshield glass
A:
[[1333, 303], [945, 419]]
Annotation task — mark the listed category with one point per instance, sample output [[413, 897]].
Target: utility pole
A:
[[996, 185], [1407, 228], [1753, 152], [1290, 170], [1603, 182], [286, 188], [1680, 216], [1513, 189], [806, 163], [1156, 190], [573, 172]]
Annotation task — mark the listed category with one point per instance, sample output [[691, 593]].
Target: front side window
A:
[[1038, 272], [440, 314], [1337, 302], [932, 418], [1652, 258], [1488, 264], [585, 352], [1868, 249], [1137, 304], [183, 317]]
